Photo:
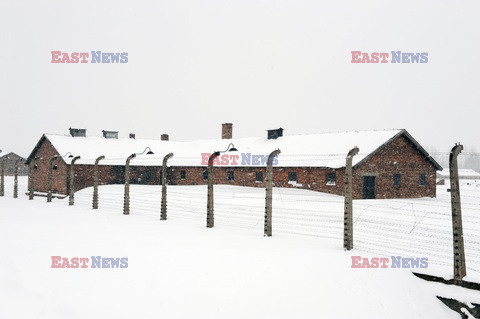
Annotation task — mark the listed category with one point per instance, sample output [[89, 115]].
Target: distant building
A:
[[462, 174], [10, 160], [390, 164]]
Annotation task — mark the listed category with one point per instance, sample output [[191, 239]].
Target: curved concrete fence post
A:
[[2, 177], [15, 181], [71, 189], [348, 208], [459, 265], [50, 177], [163, 213], [31, 177], [126, 194], [211, 181], [267, 230], [95, 182]]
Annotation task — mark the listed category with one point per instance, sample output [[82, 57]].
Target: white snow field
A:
[[180, 269]]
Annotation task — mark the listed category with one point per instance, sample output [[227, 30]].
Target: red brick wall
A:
[[402, 157], [313, 178], [59, 185], [115, 174]]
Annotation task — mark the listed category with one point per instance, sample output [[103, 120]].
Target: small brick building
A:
[[390, 163], [10, 160]]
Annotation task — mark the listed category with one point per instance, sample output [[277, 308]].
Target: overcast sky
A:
[[258, 64]]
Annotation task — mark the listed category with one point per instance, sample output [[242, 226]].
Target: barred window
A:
[[396, 179], [331, 179], [422, 179], [292, 176]]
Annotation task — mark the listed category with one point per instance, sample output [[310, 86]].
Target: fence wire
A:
[[397, 227]]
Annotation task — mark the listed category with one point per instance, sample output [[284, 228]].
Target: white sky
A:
[[258, 64]]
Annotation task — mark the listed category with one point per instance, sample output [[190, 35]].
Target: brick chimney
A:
[[132, 136], [227, 129], [164, 137]]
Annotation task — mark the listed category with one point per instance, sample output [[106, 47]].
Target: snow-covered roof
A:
[[311, 150]]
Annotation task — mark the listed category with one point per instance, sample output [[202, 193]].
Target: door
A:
[[369, 187]]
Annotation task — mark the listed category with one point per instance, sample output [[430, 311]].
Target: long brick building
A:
[[390, 163]]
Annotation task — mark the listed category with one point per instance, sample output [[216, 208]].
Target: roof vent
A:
[[110, 134], [273, 134], [132, 136], [164, 137], [78, 132]]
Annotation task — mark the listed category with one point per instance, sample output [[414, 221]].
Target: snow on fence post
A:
[[50, 178], [267, 231], [95, 182], [210, 217], [459, 266], [71, 189], [15, 178], [126, 194], [348, 218], [163, 213], [2, 177], [31, 178]]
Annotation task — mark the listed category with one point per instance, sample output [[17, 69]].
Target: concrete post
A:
[[267, 230], [95, 182], [15, 180], [211, 180], [459, 266], [2, 177], [163, 214], [126, 195], [31, 177], [50, 178], [71, 198], [348, 211]]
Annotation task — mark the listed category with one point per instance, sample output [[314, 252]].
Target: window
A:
[[259, 177], [331, 179], [422, 179], [183, 174], [292, 176], [396, 180], [230, 176], [205, 175]]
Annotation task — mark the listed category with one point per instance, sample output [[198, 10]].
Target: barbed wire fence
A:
[[405, 227]]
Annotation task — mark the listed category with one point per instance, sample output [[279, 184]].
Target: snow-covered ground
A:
[[180, 269]]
